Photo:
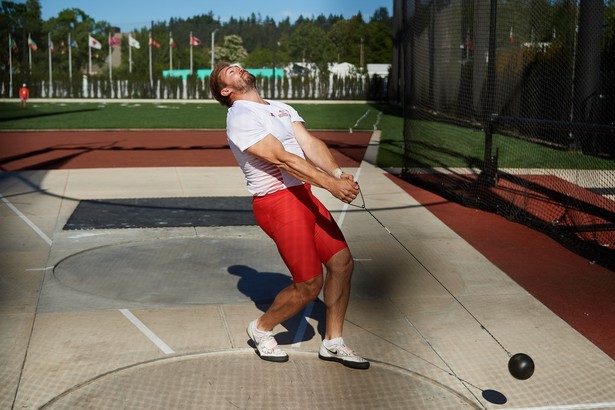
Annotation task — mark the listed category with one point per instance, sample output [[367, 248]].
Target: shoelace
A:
[[269, 344], [346, 351], [341, 349]]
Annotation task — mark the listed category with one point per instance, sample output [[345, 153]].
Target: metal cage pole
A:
[[490, 162]]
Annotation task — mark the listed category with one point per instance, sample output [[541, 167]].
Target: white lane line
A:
[[377, 120], [26, 220], [39, 269], [340, 221], [147, 332], [303, 325], [87, 235], [586, 406], [356, 124]]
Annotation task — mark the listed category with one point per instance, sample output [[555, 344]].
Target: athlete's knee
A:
[[310, 289], [348, 265], [341, 264]]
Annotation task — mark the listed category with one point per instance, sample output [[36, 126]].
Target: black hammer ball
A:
[[521, 366]]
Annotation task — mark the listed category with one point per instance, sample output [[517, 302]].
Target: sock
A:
[[337, 341], [257, 331]]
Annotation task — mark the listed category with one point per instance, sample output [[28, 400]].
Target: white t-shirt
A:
[[247, 123]]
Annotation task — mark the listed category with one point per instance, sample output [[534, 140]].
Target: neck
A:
[[252, 95]]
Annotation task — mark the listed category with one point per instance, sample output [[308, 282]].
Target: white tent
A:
[[381, 70], [342, 69]]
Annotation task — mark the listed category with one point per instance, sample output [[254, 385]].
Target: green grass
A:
[[338, 116], [81, 115], [86, 115], [433, 144], [436, 144]]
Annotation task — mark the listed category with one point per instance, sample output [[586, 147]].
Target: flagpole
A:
[[89, 55], [130, 53], [50, 74], [70, 60], [110, 63], [151, 77], [213, 37], [29, 53], [191, 52], [10, 68], [170, 54]]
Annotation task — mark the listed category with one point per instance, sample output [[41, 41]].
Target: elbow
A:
[[286, 167], [284, 162], [280, 164]]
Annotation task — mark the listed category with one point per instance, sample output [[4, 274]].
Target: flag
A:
[[51, 47], [133, 43], [12, 44], [114, 41], [195, 41], [32, 44], [63, 47], [92, 42], [511, 37], [171, 42], [153, 43], [74, 44]]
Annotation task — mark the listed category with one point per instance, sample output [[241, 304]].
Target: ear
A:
[[225, 92]]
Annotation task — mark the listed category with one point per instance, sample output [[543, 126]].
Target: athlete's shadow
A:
[[262, 288]]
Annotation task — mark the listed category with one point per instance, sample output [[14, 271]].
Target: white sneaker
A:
[[342, 354], [266, 345]]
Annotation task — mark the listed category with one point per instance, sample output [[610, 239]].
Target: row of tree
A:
[[253, 42]]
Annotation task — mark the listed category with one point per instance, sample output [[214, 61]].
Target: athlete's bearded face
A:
[[246, 82]]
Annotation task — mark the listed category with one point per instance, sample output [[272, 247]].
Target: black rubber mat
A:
[[161, 212]]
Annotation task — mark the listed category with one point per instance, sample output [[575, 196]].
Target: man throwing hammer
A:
[[281, 160]]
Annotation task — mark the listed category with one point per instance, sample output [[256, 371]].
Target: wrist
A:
[[337, 173]]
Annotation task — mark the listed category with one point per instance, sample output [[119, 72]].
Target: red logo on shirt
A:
[[283, 113]]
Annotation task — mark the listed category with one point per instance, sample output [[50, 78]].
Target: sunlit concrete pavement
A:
[[155, 318]]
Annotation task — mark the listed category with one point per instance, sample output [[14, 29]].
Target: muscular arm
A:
[[315, 150], [272, 150]]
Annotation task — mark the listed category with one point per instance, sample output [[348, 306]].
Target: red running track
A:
[[21, 151]]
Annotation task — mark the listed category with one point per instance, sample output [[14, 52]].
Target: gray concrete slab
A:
[[155, 318]]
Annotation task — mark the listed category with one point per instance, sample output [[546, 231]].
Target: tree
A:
[[311, 44], [232, 50], [340, 36], [78, 24], [378, 43], [21, 19], [263, 42], [381, 15], [262, 57]]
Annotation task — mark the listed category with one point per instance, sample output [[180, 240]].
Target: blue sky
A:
[[134, 14]]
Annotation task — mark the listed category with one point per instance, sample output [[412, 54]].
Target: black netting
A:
[[509, 106]]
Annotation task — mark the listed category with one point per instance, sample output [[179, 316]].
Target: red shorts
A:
[[304, 231]]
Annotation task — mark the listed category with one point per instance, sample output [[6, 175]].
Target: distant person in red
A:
[[24, 93]]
